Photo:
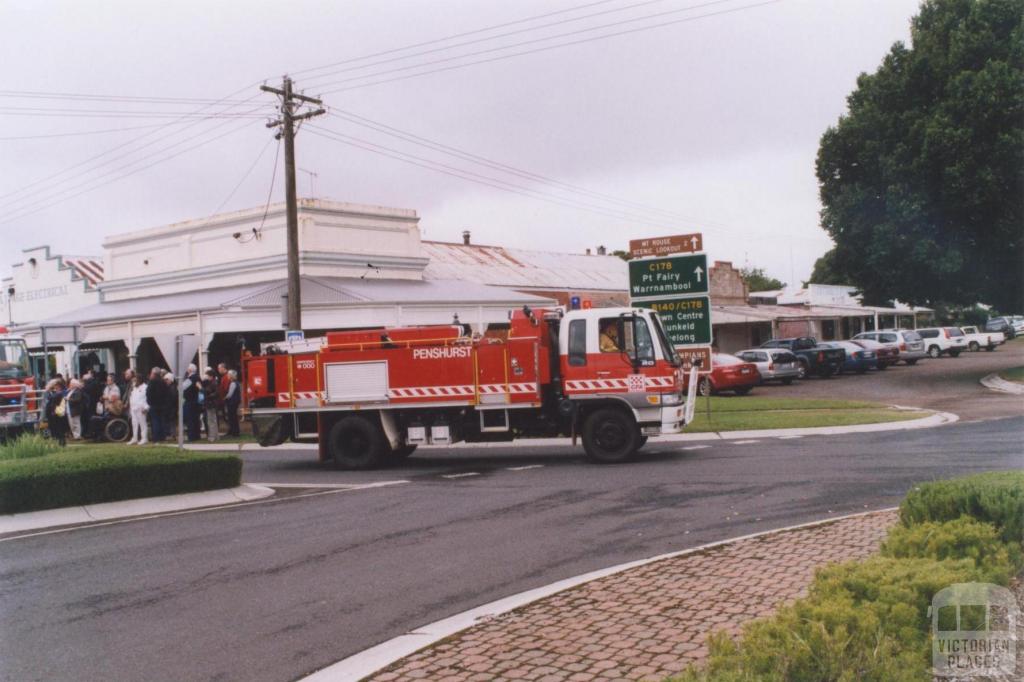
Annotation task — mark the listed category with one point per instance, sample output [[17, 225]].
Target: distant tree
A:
[[624, 255], [757, 280], [825, 271], [922, 181]]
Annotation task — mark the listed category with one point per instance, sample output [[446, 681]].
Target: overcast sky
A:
[[710, 124]]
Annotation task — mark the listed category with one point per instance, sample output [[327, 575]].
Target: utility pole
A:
[[290, 102]]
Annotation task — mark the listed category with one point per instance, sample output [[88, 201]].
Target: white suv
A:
[[910, 345], [943, 340]]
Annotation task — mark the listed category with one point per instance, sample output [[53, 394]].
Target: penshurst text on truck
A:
[[610, 376]]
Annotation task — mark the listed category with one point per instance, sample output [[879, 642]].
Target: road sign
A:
[[665, 246], [293, 335], [687, 320], [662, 277], [688, 355]]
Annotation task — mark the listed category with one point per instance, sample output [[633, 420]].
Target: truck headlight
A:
[[671, 398]]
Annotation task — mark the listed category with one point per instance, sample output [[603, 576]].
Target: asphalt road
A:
[[276, 589]]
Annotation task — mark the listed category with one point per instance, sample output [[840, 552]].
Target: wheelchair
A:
[[109, 428]]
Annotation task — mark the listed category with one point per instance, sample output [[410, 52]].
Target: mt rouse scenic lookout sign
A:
[[676, 287]]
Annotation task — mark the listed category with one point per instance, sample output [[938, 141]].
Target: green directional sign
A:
[[664, 277], [687, 320]]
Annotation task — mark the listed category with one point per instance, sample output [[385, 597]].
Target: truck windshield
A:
[[13, 359], [666, 346]]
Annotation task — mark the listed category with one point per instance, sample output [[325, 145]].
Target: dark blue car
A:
[[858, 359]]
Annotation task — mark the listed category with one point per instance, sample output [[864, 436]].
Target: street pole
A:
[[290, 101]]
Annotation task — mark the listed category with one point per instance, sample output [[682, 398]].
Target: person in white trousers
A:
[[139, 408]]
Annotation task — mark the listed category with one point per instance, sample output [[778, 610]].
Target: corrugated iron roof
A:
[[523, 268]]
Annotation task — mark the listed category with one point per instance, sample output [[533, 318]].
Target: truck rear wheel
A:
[[610, 436], [355, 443]]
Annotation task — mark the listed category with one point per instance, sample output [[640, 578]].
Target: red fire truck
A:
[[19, 404], [609, 376]]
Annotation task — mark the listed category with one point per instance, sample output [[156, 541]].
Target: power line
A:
[[11, 203], [25, 211], [270, 192], [244, 176], [111, 113], [500, 35], [189, 123], [496, 165], [464, 174], [527, 52], [451, 37], [93, 97], [81, 132]]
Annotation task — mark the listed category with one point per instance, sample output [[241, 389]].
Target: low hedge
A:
[[93, 474], [996, 497], [868, 620]]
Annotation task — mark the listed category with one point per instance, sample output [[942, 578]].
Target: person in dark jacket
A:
[[156, 397], [210, 389], [190, 387], [57, 423]]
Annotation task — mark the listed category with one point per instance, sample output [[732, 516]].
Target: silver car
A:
[[908, 341], [774, 364]]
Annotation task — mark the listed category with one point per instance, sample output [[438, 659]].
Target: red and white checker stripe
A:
[[300, 395], [432, 392], [616, 384]]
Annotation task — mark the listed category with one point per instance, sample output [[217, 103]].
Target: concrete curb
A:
[[932, 420], [374, 659], [994, 382], [106, 511]]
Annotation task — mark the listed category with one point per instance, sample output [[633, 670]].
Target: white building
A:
[[216, 283]]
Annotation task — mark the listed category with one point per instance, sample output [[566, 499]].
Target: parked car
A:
[[813, 357], [976, 340], [908, 341], [1002, 325], [858, 359], [773, 364], [943, 341], [886, 353], [1018, 324], [729, 373]]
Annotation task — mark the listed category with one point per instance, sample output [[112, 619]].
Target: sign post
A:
[[670, 276]]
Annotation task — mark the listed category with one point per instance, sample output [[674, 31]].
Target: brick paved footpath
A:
[[645, 623]]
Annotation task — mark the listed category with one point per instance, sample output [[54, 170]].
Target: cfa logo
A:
[[439, 352], [974, 631]]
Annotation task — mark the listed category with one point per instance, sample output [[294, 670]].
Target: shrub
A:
[[860, 621], [92, 474], [963, 538], [995, 497], [28, 445]]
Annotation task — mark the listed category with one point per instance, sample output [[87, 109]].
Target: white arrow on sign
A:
[[698, 271], [693, 242]]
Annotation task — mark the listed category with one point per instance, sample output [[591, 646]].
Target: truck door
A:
[[608, 355]]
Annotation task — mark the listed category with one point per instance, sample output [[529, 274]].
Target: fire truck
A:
[[19, 396], [607, 376]]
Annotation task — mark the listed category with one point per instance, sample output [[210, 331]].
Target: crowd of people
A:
[[78, 408]]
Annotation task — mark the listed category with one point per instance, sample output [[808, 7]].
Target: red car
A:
[[729, 373]]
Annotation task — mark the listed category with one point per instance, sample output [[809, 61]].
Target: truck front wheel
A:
[[610, 436], [355, 443]]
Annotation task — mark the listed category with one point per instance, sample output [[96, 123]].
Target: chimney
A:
[[465, 237], [601, 251], [588, 252]]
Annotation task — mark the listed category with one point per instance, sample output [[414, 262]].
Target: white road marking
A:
[[696, 447], [524, 468], [744, 442], [468, 473], [789, 437]]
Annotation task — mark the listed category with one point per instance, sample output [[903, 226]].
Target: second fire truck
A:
[[609, 376]]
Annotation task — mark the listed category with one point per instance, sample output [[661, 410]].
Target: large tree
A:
[[758, 280], [921, 180]]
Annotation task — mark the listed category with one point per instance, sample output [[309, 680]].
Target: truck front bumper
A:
[[672, 421]]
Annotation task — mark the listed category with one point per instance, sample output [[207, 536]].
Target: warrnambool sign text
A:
[[663, 277]]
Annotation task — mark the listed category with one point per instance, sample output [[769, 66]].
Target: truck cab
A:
[[18, 395]]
